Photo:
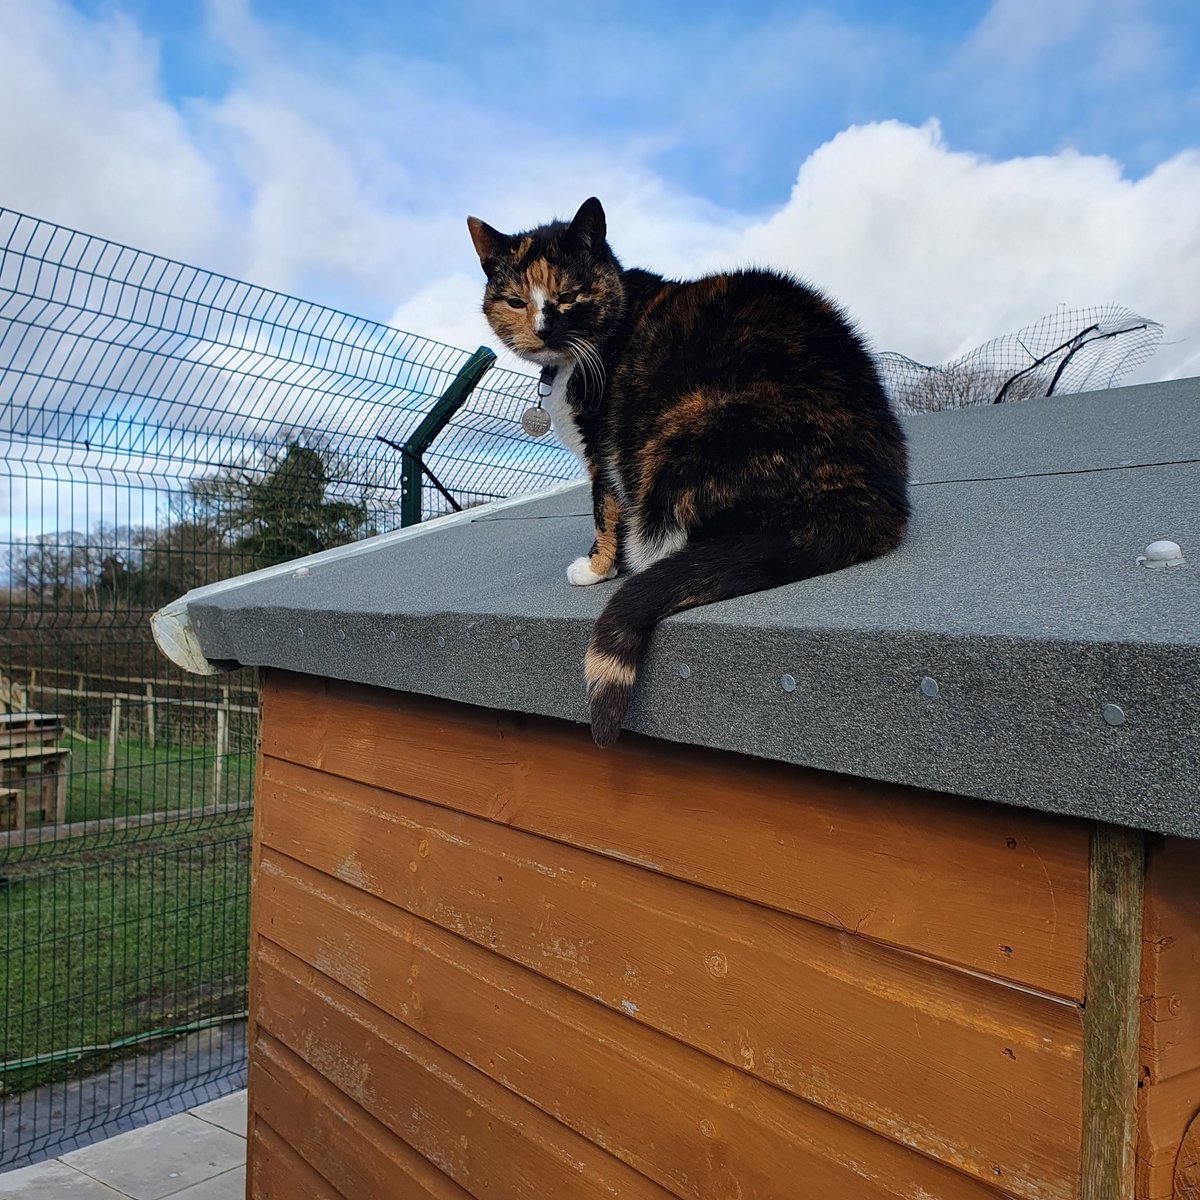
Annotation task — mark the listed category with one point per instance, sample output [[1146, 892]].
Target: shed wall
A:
[[1169, 1086], [489, 961]]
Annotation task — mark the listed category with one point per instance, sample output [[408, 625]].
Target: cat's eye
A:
[[567, 297], [515, 302]]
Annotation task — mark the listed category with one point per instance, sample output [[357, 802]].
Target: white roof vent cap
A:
[[1162, 554]]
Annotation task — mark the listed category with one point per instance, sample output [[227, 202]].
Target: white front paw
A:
[[581, 574]]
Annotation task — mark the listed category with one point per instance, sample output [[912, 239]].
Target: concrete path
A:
[[198, 1155], [126, 1095]]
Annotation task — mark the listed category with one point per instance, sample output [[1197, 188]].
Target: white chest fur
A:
[[557, 405]]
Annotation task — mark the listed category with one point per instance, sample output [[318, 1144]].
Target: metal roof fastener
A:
[[1161, 554]]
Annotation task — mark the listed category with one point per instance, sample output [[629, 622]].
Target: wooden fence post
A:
[[222, 745], [110, 755], [150, 716]]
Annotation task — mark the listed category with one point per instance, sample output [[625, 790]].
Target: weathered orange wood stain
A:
[[351, 1151], [279, 1172], [488, 962], [479, 1134], [682, 1119], [999, 890], [1169, 1097], [1187, 1164], [778, 997]]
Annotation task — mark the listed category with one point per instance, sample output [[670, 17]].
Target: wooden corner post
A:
[[1111, 1014]]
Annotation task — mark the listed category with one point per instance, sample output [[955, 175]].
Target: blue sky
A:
[[724, 98], [949, 171]]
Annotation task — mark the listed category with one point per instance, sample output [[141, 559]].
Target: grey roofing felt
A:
[[1017, 592]]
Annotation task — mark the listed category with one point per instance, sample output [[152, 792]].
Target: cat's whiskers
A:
[[586, 367], [574, 345], [590, 363]]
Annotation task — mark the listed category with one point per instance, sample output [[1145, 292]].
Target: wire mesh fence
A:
[[483, 452], [162, 427]]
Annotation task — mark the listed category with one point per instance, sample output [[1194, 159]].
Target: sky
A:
[[948, 172]]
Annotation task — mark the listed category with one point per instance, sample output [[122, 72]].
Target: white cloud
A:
[[88, 138], [351, 187], [448, 311], [1120, 36], [935, 251], [932, 251]]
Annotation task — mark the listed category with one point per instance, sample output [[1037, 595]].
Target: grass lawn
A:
[[146, 780], [131, 930], [117, 942]]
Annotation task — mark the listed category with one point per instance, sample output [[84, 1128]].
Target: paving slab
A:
[[48, 1180], [49, 1121], [161, 1159], [229, 1186], [227, 1113]]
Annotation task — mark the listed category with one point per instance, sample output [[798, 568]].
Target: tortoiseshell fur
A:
[[734, 427]]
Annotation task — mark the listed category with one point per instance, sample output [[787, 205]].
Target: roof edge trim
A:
[[171, 624]]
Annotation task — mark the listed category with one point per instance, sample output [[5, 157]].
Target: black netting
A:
[[1072, 350]]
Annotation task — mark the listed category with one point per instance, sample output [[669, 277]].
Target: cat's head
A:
[[551, 289]]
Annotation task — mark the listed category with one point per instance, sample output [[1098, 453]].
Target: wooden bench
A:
[[32, 765], [11, 809]]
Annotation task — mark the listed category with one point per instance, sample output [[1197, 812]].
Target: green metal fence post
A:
[[435, 421]]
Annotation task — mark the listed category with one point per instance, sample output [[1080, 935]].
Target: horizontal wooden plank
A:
[[1171, 959], [1187, 1165], [981, 1075], [490, 1142], [336, 1137], [677, 1116], [998, 890], [1169, 1096], [274, 1171], [1165, 1114]]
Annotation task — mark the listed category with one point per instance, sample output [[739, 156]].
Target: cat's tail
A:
[[700, 573]]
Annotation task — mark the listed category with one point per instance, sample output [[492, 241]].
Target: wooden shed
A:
[[890, 890]]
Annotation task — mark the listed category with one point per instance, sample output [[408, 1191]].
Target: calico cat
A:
[[734, 427]]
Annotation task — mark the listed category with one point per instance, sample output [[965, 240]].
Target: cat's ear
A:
[[489, 242], [588, 225]]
